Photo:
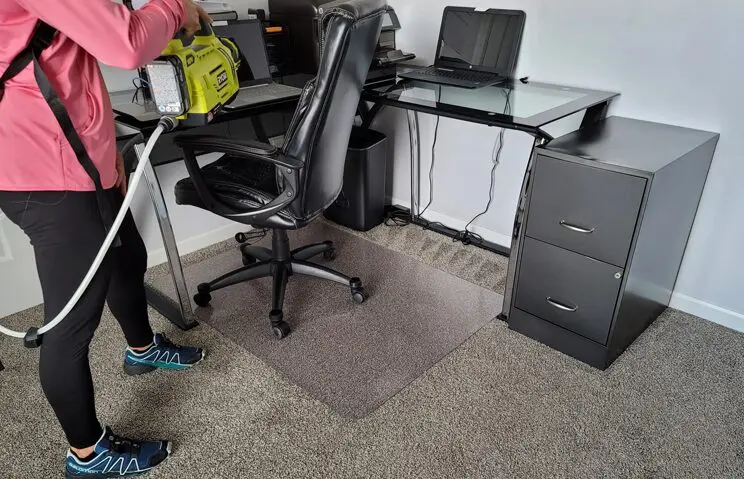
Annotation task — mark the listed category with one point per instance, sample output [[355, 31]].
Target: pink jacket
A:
[[34, 154]]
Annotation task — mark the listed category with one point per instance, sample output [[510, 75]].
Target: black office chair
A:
[[285, 189]]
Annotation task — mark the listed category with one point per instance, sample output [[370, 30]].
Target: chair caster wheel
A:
[[241, 238], [202, 299], [360, 295], [281, 329], [330, 255]]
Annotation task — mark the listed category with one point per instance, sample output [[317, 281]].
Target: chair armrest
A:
[[240, 148], [260, 214], [288, 169]]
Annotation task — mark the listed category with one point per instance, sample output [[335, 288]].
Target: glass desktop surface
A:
[[529, 105]]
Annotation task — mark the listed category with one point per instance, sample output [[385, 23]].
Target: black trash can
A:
[[361, 204]]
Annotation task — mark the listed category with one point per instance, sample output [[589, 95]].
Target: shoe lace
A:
[[121, 445], [167, 343]]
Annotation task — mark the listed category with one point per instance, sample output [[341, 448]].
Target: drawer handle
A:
[[561, 306], [577, 229]]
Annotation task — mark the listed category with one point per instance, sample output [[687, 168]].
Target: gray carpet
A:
[[499, 406], [352, 357]]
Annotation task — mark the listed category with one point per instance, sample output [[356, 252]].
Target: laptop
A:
[[476, 49], [256, 83]]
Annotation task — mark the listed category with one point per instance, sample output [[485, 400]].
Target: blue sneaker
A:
[[162, 354], [117, 457]]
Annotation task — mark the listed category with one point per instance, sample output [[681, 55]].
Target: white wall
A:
[[675, 62]]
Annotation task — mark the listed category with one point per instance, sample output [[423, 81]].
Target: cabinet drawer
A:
[[585, 209], [570, 290]]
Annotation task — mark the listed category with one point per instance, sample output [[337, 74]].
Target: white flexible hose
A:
[[165, 124]]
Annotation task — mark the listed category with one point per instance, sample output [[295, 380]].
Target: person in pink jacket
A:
[[48, 188]]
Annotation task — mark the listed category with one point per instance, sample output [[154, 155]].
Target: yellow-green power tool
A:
[[195, 76]]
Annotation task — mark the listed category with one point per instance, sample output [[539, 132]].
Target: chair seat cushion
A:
[[239, 183]]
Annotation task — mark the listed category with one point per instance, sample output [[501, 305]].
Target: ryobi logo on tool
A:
[[222, 78]]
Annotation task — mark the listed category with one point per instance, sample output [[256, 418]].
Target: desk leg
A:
[[179, 313], [595, 114], [415, 136], [370, 114], [517, 233]]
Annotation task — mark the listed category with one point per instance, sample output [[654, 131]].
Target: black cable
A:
[[403, 218], [135, 98], [496, 160], [137, 89], [433, 157], [431, 167], [398, 218], [467, 236]]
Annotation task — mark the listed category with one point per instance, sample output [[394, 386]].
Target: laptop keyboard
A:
[[464, 75]]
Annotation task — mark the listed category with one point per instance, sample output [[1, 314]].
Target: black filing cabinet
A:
[[608, 214]]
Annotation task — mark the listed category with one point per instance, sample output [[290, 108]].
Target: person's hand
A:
[[194, 13], [121, 180]]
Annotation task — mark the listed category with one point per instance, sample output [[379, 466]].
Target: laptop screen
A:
[[248, 36], [487, 41]]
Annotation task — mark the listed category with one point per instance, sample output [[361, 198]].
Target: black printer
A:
[[303, 20]]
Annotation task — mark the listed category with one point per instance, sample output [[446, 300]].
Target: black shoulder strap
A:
[[42, 38]]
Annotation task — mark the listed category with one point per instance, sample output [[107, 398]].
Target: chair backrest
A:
[[321, 128]]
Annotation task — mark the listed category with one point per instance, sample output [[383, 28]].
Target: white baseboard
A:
[[196, 243], [486, 234], [711, 312]]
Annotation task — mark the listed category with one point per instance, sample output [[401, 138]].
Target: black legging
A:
[[66, 233]]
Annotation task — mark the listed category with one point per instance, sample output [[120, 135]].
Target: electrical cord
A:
[[467, 236], [431, 167], [139, 88], [402, 218], [398, 218], [496, 158], [433, 157]]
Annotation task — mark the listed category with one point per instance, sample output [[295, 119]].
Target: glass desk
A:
[[522, 106], [516, 106]]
